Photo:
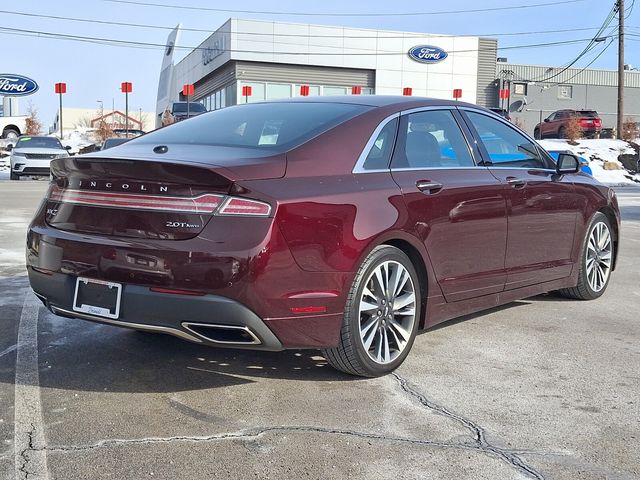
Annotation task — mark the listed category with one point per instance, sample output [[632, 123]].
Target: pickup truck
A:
[[12, 127]]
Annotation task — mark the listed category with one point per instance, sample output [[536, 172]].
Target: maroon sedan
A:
[[344, 224]]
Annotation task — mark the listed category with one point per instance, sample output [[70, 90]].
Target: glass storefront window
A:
[[278, 90], [257, 92], [334, 91]]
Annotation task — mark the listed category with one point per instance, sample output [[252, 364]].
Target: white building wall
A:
[[385, 52]]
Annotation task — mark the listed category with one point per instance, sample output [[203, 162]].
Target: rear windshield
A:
[[588, 113], [277, 126], [38, 142], [193, 107]]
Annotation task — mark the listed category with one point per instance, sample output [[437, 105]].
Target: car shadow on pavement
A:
[[84, 356]]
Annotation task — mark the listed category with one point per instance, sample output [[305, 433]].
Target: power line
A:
[[138, 44], [323, 14], [596, 38], [203, 30]]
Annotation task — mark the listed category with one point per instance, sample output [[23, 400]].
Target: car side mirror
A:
[[9, 147], [68, 147], [546, 120], [567, 163]]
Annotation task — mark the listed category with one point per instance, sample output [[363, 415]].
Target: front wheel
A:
[[596, 261], [536, 134], [381, 315], [562, 132], [13, 176]]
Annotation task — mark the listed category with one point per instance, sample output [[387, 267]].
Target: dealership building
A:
[[275, 59]]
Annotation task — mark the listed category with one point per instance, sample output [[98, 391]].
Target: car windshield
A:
[[38, 142], [193, 107], [262, 125]]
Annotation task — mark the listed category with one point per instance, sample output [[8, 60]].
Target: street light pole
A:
[[620, 68]]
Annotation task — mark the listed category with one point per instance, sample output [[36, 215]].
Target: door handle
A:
[[427, 186], [516, 182]]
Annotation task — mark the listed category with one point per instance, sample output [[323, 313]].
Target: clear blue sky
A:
[[94, 72]]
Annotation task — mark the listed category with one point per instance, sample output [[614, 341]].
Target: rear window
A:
[[193, 107], [588, 113], [38, 142], [277, 126]]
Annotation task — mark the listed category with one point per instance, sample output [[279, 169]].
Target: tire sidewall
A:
[[597, 218], [352, 314]]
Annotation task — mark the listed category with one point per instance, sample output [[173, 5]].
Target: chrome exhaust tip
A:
[[223, 334]]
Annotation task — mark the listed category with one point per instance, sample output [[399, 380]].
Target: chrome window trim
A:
[[359, 167], [410, 169]]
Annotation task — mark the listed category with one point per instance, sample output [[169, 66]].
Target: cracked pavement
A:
[[540, 389]]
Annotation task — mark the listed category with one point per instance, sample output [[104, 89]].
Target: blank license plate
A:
[[97, 297]]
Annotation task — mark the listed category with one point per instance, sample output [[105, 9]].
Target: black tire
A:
[[13, 176], [562, 132], [536, 134], [6, 133], [350, 356], [583, 290]]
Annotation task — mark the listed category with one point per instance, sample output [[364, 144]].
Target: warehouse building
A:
[[276, 59], [537, 91]]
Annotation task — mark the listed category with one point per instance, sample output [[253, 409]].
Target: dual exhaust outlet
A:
[[223, 334]]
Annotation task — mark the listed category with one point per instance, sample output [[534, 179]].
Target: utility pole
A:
[[620, 68]]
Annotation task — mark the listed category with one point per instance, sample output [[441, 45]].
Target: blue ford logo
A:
[[16, 85], [427, 54]]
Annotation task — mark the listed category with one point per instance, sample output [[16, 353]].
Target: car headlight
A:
[[62, 155], [18, 154]]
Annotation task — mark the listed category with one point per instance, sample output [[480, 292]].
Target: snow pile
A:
[[597, 152], [78, 139]]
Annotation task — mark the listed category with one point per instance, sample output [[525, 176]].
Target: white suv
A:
[[32, 155]]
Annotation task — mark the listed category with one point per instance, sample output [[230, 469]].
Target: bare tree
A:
[[573, 130], [630, 130], [33, 123]]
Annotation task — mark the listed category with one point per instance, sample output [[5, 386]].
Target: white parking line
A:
[[29, 445]]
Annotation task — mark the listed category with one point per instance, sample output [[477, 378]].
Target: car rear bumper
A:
[[207, 319]]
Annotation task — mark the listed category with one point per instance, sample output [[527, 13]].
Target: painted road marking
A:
[[30, 455]]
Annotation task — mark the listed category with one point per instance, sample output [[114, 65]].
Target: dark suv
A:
[[555, 125]]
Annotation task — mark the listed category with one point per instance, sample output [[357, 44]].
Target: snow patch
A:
[[597, 152]]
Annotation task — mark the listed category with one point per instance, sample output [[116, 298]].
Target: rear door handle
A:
[[516, 182], [427, 186]]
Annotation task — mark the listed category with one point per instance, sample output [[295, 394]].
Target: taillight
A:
[[586, 123], [244, 206], [207, 203]]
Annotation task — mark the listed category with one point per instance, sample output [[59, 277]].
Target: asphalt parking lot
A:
[[541, 388]]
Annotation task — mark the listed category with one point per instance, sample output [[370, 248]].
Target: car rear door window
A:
[[505, 146], [431, 139]]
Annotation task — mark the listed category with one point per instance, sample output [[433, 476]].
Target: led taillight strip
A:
[[207, 203]]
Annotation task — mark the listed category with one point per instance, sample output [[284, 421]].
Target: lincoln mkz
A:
[[345, 224]]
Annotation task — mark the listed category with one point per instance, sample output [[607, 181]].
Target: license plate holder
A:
[[97, 297]]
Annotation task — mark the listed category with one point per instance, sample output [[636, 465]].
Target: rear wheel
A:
[[596, 261], [381, 316], [10, 134], [562, 132]]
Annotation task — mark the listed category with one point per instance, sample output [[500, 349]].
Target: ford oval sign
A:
[[427, 54], [16, 85]]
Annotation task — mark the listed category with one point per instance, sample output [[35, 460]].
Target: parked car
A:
[[344, 224], [179, 110], [113, 142], [32, 155], [555, 125], [131, 133], [502, 112]]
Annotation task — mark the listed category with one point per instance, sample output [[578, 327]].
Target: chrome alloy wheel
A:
[[598, 256], [387, 312]]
